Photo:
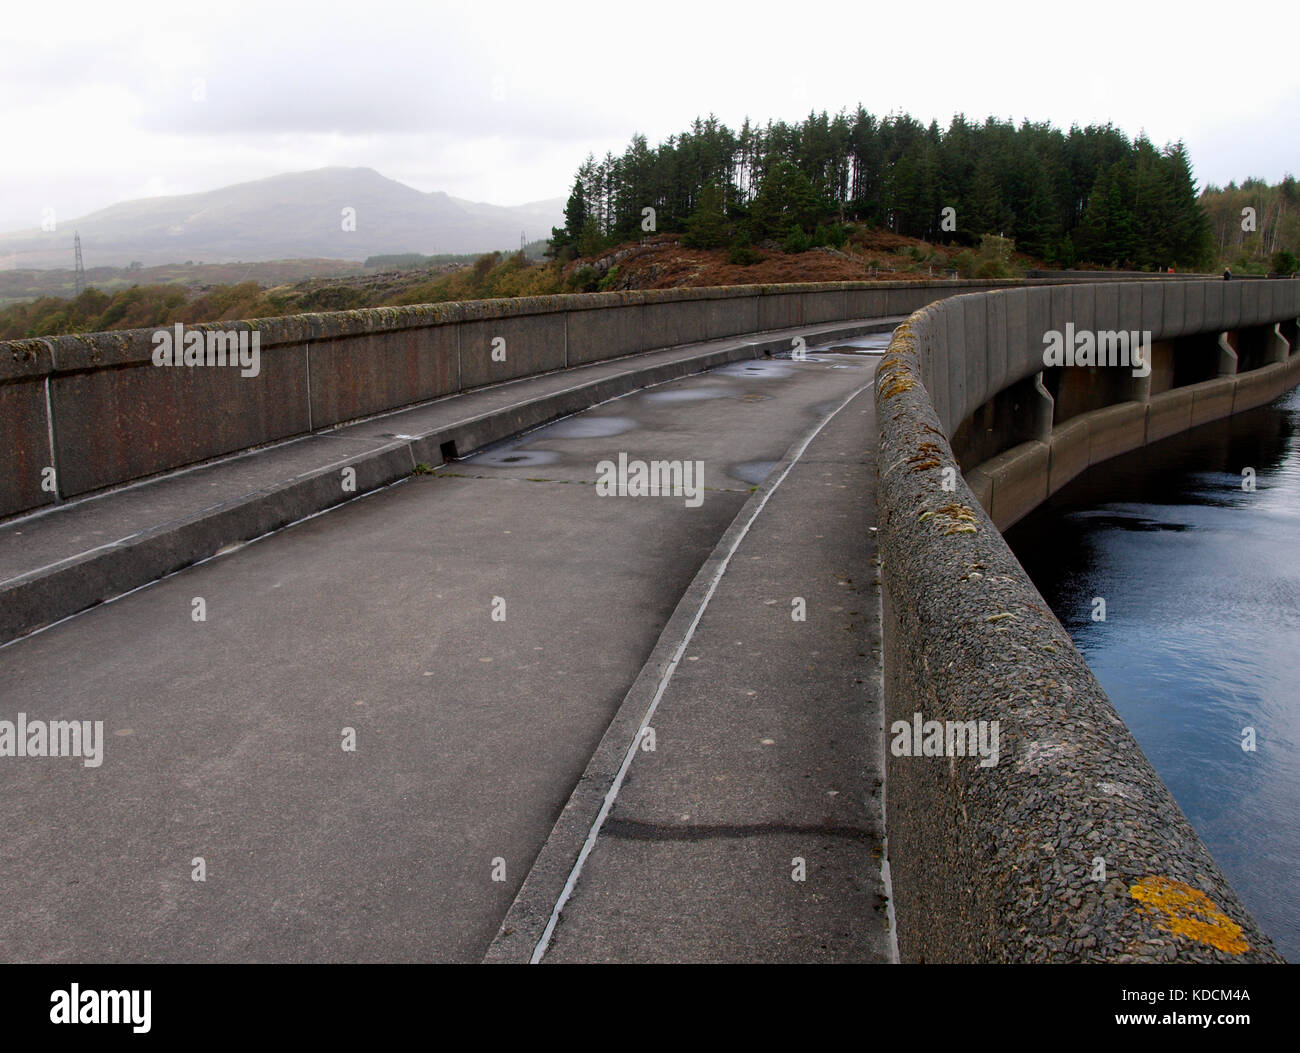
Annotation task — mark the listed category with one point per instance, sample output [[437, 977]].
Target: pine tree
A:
[[984, 204], [707, 227], [1189, 227], [1106, 233]]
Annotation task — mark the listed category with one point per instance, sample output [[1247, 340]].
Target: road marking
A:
[[221, 553], [543, 944]]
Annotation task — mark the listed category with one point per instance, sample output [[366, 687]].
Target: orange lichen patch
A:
[[896, 384], [891, 361], [1178, 908], [926, 457], [956, 518]]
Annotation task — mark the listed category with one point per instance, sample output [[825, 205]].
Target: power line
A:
[[79, 278]]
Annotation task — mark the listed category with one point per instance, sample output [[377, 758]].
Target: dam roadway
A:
[[495, 638]]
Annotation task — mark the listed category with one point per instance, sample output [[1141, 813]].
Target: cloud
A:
[[502, 101]]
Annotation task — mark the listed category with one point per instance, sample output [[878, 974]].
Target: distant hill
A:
[[298, 214]]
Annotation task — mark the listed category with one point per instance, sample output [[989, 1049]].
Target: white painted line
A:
[[225, 551], [544, 942], [68, 559], [885, 876]]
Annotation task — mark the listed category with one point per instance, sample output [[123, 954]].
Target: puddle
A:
[[754, 370], [752, 472], [685, 394], [586, 428], [512, 457], [869, 343]]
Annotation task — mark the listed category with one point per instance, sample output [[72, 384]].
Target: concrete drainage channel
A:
[[38, 597]]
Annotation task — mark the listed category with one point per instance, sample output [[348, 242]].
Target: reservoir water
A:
[[1200, 646]]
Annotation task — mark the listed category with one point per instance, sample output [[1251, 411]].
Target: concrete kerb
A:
[[37, 599], [41, 598], [530, 913]]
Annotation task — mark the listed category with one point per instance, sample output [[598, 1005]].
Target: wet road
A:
[[363, 743]]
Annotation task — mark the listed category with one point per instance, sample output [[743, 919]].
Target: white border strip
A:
[[543, 944]]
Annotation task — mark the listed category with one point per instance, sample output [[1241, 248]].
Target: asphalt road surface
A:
[[469, 633]]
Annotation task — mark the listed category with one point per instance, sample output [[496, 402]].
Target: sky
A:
[[500, 101]]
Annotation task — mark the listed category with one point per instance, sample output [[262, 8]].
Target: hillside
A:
[[298, 214], [661, 262]]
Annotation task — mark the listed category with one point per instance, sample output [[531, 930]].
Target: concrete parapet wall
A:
[[1000, 862], [24, 425], [358, 376], [115, 417]]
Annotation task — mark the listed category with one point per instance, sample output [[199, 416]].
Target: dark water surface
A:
[[1202, 633]]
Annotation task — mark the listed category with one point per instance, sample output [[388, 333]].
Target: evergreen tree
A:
[[984, 204], [575, 219], [786, 204], [1106, 233], [707, 227], [1087, 194], [1192, 245]]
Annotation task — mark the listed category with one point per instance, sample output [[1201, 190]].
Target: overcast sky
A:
[[500, 101]]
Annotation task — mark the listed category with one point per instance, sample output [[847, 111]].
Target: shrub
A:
[[742, 253], [584, 279], [795, 241]]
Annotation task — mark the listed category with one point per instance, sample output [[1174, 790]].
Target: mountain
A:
[[298, 214]]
